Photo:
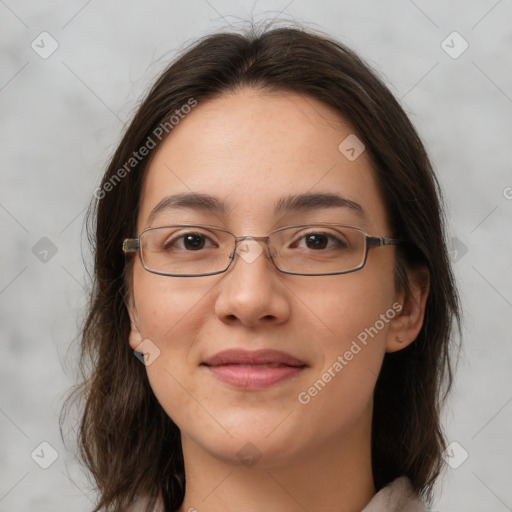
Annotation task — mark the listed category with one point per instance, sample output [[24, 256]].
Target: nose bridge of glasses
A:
[[249, 248]]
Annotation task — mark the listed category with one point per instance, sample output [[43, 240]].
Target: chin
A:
[[261, 448]]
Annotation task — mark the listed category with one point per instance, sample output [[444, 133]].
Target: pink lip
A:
[[244, 369]]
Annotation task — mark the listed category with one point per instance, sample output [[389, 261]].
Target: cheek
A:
[[348, 304], [354, 312], [169, 308], [171, 312]]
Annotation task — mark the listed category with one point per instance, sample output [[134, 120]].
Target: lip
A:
[[253, 357], [254, 369]]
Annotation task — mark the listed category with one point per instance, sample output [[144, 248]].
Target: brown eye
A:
[[319, 241], [188, 242], [316, 241], [194, 241]]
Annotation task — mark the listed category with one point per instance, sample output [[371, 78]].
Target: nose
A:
[[251, 291]]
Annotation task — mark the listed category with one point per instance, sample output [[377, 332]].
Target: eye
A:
[[189, 242], [318, 241]]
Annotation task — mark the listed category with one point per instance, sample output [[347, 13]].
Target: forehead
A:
[[253, 149]]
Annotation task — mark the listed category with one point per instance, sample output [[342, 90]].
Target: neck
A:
[[332, 476]]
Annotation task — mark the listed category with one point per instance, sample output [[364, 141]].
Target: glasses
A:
[[307, 249]]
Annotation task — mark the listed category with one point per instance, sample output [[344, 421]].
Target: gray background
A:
[[62, 117]]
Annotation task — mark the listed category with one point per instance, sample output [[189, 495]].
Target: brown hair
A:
[[126, 439]]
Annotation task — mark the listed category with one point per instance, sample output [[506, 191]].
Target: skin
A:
[[241, 148]]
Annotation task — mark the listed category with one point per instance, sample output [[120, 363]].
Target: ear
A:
[[135, 338], [406, 326]]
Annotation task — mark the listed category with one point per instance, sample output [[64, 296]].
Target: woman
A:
[[269, 244]]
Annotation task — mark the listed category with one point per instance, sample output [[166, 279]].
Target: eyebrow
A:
[[287, 204]]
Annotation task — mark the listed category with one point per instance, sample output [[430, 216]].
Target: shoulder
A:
[[398, 496]]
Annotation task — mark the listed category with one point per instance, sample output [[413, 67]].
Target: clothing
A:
[[398, 496]]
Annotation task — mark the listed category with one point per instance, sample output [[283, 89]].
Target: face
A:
[[250, 149]]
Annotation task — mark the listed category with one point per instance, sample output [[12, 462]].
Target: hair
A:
[[125, 438]]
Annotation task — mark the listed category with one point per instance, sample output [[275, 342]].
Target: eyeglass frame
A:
[[133, 245]]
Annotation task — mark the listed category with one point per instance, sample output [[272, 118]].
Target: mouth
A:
[[254, 370]]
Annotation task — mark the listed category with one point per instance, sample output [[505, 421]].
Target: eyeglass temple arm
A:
[[374, 241], [131, 245]]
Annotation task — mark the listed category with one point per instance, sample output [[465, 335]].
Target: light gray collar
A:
[[398, 496]]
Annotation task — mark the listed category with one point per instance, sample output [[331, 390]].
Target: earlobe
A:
[[406, 326], [135, 338]]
